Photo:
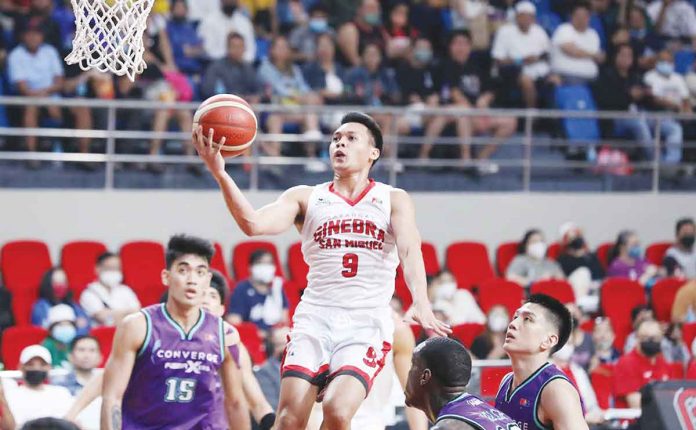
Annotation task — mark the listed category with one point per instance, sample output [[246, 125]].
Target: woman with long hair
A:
[[53, 291]]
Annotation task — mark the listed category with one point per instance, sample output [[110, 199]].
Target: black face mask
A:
[[650, 347], [179, 19], [577, 243], [35, 377], [687, 241], [229, 9]]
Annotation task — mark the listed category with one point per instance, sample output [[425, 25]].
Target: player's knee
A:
[[289, 420], [336, 415]]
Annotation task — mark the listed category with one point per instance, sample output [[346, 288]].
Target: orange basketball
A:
[[230, 117]]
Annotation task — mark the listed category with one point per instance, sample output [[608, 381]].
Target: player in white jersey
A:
[[354, 232]]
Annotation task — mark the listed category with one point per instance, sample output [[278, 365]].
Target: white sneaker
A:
[[312, 136], [487, 168], [315, 166]]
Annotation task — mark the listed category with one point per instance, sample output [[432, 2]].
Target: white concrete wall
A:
[[119, 216]]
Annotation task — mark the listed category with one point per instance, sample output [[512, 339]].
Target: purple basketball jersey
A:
[[175, 381], [521, 403], [477, 413]]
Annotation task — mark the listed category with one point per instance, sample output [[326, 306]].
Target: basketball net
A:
[[109, 35]]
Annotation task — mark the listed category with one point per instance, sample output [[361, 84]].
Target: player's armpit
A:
[[560, 406], [452, 424], [235, 404]]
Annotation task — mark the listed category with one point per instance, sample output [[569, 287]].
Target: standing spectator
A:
[[576, 51], [531, 264], [305, 38], [641, 365], [521, 50], [53, 291], [35, 70], [398, 32], [684, 306], [61, 332], [683, 248], [260, 299], [268, 374], [673, 19], [578, 376], [231, 74], [675, 349], [603, 339], [35, 398], [325, 75], [626, 259], [85, 356], [39, 17], [215, 27], [187, 46], [107, 300], [457, 304], [489, 344], [365, 29]]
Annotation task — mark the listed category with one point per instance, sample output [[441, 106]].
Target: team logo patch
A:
[[321, 201], [685, 407], [377, 201], [370, 359], [524, 402]]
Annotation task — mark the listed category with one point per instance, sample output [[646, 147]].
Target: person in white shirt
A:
[[522, 48], [683, 249], [669, 93], [107, 300], [673, 18], [215, 27], [575, 48], [36, 399]]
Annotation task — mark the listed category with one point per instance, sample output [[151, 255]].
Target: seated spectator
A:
[[639, 314], [187, 46], [683, 249], [626, 259], [61, 332], [85, 356], [641, 365], [575, 48], [673, 19], [215, 27], [581, 267], [520, 51], [365, 29], [641, 39], [40, 17], [489, 344], [284, 80], [603, 343], [231, 75], [531, 264], [260, 299], [398, 32], [35, 398], [458, 304], [107, 300], [54, 291], [304, 39], [578, 376], [675, 349], [668, 93], [684, 306], [268, 374], [199, 9], [325, 75], [35, 70], [580, 340]]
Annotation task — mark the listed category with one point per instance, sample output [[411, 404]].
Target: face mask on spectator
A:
[[687, 241], [537, 250], [565, 353], [577, 243], [650, 347], [664, 67], [60, 290], [229, 9], [445, 291], [263, 273], [35, 377], [635, 252], [64, 333], [423, 55], [318, 25], [111, 278], [372, 18], [497, 322]]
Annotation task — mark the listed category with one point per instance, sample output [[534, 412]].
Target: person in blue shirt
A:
[[54, 291], [260, 299], [187, 46]]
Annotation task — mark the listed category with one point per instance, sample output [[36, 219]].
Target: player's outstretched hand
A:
[[209, 150], [422, 313]]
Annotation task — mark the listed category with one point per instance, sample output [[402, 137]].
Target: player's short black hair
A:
[[368, 122], [218, 282], [448, 360], [559, 317], [182, 244], [105, 256], [522, 246], [49, 423], [80, 338], [257, 255], [682, 222]]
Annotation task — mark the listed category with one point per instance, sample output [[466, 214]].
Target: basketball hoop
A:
[[109, 35]]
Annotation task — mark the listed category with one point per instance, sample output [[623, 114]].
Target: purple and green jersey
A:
[[477, 413]]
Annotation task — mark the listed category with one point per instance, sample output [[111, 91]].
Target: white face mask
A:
[[497, 323], [565, 353], [537, 250], [446, 290], [263, 273], [111, 278]]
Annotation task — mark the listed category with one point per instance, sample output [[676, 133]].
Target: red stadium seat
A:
[[105, 337], [603, 254], [602, 379], [401, 289], [500, 292], [588, 325], [663, 293], [417, 331], [655, 253], [142, 267], [466, 333], [618, 296], [504, 254], [15, 339], [469, 263], [691, 370], [689, 333], [23, 264], [676, 370], [293, 291], [491, 377], [218, 263], [22, 304], [242, 252], [430, 260], [557, 288], [78, 259], [554, 251], [296, 265], [249, 334]]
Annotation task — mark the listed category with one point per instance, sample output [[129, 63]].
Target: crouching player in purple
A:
[[440, 372], [165, 361]]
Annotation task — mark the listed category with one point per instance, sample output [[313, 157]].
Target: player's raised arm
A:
[[129, 337], [231, 376], [408, 243], [271, 219], [563, 414]]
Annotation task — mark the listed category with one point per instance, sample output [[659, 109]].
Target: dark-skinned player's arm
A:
[[128, 339], [232, 383], [560, 404], [404, 342], [408, 244], [452, 424], [273, 218]]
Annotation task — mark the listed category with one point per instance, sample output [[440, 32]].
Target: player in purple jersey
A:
[[440, 372], [167, 358], [537, 394]]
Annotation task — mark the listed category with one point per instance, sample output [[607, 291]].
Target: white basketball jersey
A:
[[349, 247]]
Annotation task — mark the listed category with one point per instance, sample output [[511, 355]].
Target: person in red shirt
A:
[[640, 366]]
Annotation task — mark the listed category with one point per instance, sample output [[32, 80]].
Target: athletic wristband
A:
[[267, 421]]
